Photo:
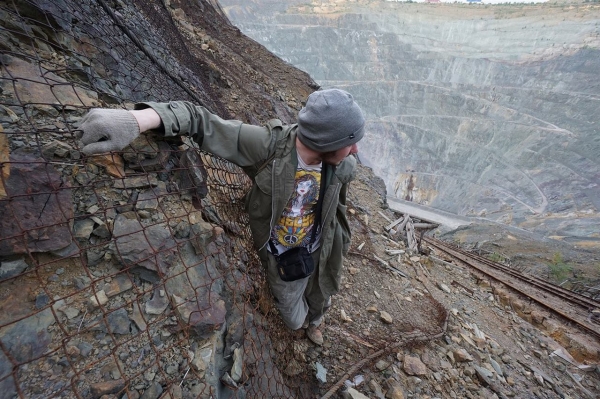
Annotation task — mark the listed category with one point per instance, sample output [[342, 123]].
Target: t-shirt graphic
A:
[[295, 225]]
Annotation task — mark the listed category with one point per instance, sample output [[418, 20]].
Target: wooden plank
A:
[[394, 223], [425, 226], [404, 222], [410, 236], [390, 267], [385, 217]]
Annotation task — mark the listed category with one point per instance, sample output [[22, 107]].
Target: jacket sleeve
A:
[[240, 143]]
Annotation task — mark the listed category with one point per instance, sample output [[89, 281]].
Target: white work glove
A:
[[106, 130]]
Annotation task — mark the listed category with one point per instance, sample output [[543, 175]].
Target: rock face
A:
[[109, 266], [38, 217], [133, 274], [482, 111]]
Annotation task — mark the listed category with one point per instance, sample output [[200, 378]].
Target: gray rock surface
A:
[[12, 268], [29, 338], [45, 217], [151, 247]]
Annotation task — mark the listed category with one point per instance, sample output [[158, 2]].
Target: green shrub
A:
[[558, 269], [496, 257]]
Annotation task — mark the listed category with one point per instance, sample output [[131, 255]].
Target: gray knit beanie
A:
[[331, 120]]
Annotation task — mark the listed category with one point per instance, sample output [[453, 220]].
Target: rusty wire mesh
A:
[[130, 273]]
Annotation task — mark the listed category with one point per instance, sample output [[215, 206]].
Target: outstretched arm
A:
[[107, 130]]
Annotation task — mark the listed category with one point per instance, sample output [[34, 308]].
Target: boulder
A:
[[37, 218]]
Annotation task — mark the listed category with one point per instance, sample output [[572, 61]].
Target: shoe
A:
[[314, 334], [305, 324]]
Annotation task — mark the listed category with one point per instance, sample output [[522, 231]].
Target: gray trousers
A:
[[298, 300]]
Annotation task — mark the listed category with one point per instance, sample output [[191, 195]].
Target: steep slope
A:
[[128, 273], [132, 275]]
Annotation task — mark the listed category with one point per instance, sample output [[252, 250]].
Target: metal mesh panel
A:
[[131, 272]]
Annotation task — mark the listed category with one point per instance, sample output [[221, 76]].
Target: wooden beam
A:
[[425, 226], [395, 223], [385, 217], [410, 236]]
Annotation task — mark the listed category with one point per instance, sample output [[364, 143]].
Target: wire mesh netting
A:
[[129, 273]]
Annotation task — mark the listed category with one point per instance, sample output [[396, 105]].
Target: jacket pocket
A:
[[263, 181]]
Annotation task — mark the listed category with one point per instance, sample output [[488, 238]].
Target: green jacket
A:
[[250, 147]]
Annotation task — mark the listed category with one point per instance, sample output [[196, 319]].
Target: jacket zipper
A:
[[337, 193], [271, 222]]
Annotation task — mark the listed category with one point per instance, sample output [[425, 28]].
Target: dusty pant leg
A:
[[289, 296], [318, 303]]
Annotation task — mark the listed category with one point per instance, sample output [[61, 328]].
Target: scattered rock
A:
[[99, 299], [321, 373], [41, 300], [414, 366], [344, 317], [70, 312], [351, 393], [444, 288], [118, 285], [27, 339], [102, 231], [85, 348], [238, 363], [13, 268], [151, 247], [138, 318], [395, 390], [202, 358], [375, 387], [107, 388], [153, 392], [382, 365], [149, 180], [202, 234], [118, 322], [461, 355], [484, 375], [193, 174], [158, 304], [203, 319], [58, 148], [83, 229], [173, 392], [386, 317], [149, 199]]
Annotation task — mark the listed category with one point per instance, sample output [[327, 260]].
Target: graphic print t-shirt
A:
[[294, 228]]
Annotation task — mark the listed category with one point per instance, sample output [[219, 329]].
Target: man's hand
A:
[[107, 130]]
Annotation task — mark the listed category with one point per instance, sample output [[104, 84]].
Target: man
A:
[[286, 163]]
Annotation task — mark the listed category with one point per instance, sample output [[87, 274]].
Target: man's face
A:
[[336, 157]]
